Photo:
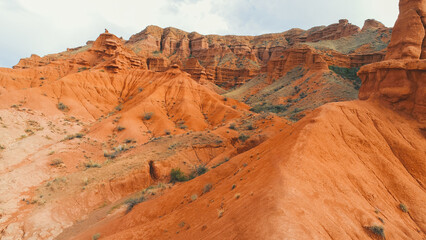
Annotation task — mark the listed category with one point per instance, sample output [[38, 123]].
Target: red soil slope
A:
[[60, 119], [322, 179], [342, 172], [87, 132]]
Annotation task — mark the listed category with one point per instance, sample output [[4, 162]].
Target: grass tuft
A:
[[131, 203], [403, 207]]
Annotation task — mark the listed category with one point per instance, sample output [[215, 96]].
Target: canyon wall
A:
[[228, 61]]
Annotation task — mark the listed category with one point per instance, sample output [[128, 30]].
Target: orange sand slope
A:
[[336, 172], [351, 170], [89, 137]]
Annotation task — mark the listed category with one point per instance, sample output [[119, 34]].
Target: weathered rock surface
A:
[[228, 61], [408, 36], [400, 81], [372, 24], [334, 31]]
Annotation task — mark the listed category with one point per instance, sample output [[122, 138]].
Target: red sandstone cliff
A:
[[227, 61]]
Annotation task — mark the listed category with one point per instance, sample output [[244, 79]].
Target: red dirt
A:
[[86, 131]]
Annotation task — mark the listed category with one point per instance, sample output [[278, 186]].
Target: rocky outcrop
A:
[[372, 24], [334, 31], [359, 60], [231, 60], [228, 61], [399, 81], [193, 67], [31, 62], [109, 52], [408, 36], [157, 64], [291, 58]]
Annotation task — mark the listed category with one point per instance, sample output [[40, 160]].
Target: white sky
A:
[[49, 26]]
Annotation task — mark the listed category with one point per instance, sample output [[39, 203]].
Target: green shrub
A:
[[119, 107], [181, 124], [56, 162], [71, 137], [198, 171], [232, 126], [378, 230], [148, 115], [403, 207], [111, 155], [297, 89], [117, 150], [120, 128], [82, 69], [348, 73], [96, 236], [131, 203], [79, 135], [270, 108], [243, 137], [176, 175], [62, 106], [91, 164], [167, 132]]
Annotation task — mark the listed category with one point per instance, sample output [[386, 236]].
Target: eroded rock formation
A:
[[408, 36], [400, 81], [227, 61]]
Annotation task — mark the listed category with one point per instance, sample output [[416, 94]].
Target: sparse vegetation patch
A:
[[91, 164], [243, 137], [176, 175], [348, 73], [132, 202], [71, 137], [198, 171], [56, 162], [270, 108]]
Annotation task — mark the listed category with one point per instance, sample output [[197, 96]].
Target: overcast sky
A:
[[49, 26]]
